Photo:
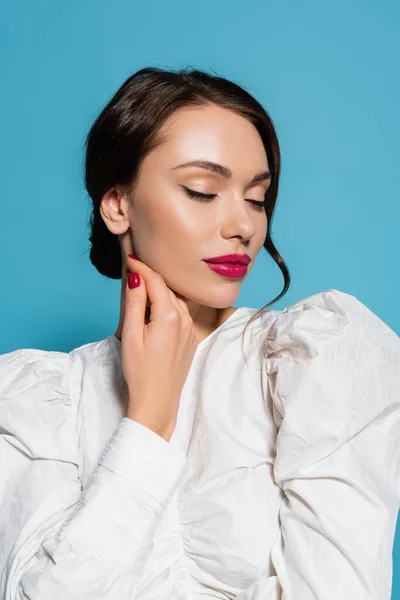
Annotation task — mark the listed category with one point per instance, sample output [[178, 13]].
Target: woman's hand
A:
[[155, 357]]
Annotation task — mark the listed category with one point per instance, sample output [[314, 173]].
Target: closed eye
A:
[[201, 197]]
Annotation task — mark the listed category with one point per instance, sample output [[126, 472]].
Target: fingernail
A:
[[133, 280], [132, 256]]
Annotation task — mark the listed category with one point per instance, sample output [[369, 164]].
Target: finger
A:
[[157, 291], [178, 303], [135, 309]]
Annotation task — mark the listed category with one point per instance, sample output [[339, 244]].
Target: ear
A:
[[114, 210]]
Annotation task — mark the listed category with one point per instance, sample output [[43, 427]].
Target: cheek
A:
[[183, 222], [262, 234], [171, 223]]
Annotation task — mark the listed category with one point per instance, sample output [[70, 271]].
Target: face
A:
[[171, 231]]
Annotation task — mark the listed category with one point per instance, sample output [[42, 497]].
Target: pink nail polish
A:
[[133, 280], [132, 256]]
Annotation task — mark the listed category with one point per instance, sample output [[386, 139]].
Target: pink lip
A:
[[228, 270], [235, 259]]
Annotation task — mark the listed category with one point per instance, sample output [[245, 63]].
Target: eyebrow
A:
[[224, 171]]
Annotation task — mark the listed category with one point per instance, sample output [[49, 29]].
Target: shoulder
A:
[[40, 394], [27, 367], [37, 411], [327, 319], [333, 371], [333, 366]]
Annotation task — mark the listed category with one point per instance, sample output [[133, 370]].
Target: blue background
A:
[[326, 71]]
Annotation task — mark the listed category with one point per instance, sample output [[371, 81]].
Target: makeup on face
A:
[[228, 270]]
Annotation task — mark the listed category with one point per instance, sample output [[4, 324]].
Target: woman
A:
[[178, 458]]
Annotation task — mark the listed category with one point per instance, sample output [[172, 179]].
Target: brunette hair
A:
[[128, 128]]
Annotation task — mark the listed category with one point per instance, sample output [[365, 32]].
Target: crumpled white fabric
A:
[[281, 481]]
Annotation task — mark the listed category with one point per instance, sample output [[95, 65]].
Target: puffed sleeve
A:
[[333, 371], [56, 540], [333, 375]]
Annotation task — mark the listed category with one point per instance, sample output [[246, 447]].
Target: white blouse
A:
[[281, 480]]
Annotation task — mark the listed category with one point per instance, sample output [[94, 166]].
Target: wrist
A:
[[164, 431]]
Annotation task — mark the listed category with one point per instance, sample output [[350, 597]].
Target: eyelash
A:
[[205, 197]]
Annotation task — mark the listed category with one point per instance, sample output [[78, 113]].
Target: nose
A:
[[237, 220]]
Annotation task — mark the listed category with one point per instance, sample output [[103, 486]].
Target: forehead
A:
[[212, 133]]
